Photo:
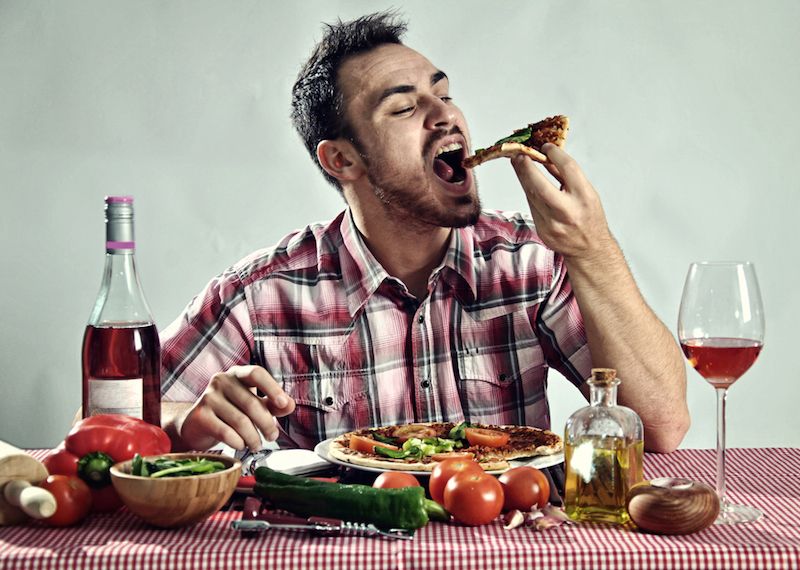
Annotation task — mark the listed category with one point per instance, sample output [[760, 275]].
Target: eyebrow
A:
[[435, 78]]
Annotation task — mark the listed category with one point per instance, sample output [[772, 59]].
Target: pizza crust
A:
[[507, 150]]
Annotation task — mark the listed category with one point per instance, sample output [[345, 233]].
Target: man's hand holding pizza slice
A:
[[570, 219], [621, 329]]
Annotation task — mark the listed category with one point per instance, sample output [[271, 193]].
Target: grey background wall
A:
[[684, 115]]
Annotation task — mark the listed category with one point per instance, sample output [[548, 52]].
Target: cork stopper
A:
[[605, 376]]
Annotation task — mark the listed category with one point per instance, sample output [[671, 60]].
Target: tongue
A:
[[442, 169]]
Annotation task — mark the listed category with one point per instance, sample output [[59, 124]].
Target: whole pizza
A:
[[418, 447]]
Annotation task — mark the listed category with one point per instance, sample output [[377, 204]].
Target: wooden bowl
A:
[[672, 506], [176, 501]]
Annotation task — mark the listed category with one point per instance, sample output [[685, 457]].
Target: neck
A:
[[406, 252]]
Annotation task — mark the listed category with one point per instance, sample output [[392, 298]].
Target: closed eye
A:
[[403, 111]]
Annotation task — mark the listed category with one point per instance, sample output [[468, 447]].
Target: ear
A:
[[340, 159]]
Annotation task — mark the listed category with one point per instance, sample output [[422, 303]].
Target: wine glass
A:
[[721, 331]]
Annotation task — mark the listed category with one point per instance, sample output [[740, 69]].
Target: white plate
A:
[[323, 450]]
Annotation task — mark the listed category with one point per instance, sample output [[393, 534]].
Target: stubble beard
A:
[[417, 210]]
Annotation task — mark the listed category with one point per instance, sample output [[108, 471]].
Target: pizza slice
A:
[[527, 141]]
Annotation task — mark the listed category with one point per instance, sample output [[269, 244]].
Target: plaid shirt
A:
[[355, 349]]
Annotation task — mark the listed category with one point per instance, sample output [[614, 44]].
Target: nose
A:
[[439, 114]]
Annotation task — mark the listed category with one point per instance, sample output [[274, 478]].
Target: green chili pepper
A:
[[406, 507]]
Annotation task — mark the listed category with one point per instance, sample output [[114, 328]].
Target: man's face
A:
[[411, 137]]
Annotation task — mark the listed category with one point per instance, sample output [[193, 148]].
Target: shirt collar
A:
[[362, 274]]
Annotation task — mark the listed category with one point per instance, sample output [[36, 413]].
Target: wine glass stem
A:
[[722, 394]]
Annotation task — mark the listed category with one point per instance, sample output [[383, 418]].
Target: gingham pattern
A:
[[765, 478], [355, 349]]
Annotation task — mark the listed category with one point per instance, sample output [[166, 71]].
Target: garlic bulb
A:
[[672, 506]]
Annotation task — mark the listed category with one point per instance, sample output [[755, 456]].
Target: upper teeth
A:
[[449, 148]]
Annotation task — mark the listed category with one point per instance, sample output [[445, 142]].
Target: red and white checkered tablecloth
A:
[[765, 478]]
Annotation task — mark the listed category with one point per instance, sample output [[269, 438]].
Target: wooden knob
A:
[[672, 506]]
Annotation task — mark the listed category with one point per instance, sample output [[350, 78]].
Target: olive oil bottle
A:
[[603, 454]]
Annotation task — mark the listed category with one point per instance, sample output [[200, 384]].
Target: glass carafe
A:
[[603, 454]]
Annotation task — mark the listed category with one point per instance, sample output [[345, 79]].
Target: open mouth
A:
[[447, 163]]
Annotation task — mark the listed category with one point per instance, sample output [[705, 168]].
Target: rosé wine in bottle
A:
[[121, 354]]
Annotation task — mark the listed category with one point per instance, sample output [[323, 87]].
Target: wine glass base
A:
[[735, 514]]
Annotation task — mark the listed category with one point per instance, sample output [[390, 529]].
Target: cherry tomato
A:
[[367, 444], [73, 499], [486, 437], [444, 470], [524, 488], [473, 498], [394, 479]]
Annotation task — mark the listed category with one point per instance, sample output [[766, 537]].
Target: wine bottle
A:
[[121, 354]]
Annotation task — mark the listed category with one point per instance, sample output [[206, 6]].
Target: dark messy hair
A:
[[317, 101]]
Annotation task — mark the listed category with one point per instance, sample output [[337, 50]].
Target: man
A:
[[413, 304]]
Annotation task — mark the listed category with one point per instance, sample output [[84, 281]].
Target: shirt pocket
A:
[[502, 373], [326, 404], [325, 379]]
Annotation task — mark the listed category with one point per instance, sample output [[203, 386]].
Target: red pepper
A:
[[96, 443]]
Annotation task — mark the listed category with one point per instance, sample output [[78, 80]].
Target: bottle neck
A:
[[604, 394], [121, 299], [119, 232]]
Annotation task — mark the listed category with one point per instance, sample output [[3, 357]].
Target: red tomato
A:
[[442, 472], [486, 437], [61, 462], [394, 479], [524, 488], [73, 499], [473, 498], [367, 444]]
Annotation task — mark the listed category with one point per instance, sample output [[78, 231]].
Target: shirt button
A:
[[502, 378], [329, 401], [425, 384], [421, 319]]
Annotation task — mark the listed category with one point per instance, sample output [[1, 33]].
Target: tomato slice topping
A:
[[486, 437], [365, 444]]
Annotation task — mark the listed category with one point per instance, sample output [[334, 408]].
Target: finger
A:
[[202, 429], [279, 402], [229, 412], [542, 195], [570, 173], [554, 171], [253, 408]]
